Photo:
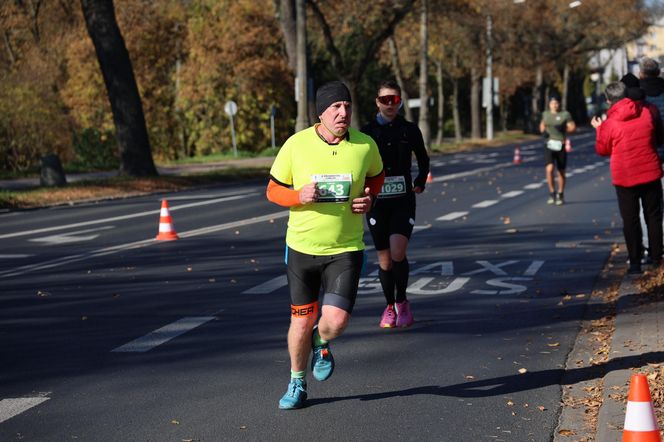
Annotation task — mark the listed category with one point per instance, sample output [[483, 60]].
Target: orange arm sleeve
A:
[[375, 183], [282, 195]]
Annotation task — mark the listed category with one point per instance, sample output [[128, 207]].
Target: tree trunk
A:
[[455, 111], [10, 50], [396, 68], [423, 122], [116, 68], [302, 78], [286, 13], [565, 86], [475, 118], [441, 103], [537, 90]]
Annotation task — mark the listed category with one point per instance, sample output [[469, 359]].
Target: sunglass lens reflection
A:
[[389, 99]]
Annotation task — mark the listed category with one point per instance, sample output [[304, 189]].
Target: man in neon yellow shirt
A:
[[329, 176]]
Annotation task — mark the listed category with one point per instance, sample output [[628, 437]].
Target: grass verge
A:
[[120, 187]]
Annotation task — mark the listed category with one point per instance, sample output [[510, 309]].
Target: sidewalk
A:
[[184, 169], [596, 377], [637, 341]]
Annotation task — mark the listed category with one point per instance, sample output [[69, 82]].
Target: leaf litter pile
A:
[[651, 287], [596, 336]]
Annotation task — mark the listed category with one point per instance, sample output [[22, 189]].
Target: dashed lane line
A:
[[451, 216], [512, 194], [163, 334], [485, 203], [15, 406], [123, 217], [135, 245]]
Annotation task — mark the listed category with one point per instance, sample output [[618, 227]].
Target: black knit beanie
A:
[[330, 93]]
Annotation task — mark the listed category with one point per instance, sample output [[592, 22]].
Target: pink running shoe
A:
[[389, 318], [404, 315]]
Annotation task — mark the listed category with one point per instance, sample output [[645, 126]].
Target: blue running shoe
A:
[[295, 395], [322, 362]]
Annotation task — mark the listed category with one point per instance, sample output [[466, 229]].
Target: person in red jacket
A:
[[629, 135]]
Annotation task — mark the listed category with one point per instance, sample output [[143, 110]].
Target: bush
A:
[[95, 150], [31, 125]]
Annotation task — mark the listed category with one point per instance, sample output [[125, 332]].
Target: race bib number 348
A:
[[333, 188]]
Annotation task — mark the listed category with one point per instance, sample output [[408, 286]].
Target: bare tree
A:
[[441, 102], [302, 75], [118, 73], [475, 79], [423, 121], [398, 74], [352, 69]]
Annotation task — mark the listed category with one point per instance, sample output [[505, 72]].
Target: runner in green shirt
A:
[[556, 124]]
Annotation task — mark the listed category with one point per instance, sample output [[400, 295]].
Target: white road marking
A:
[[485, 203], [451, 216], [418, 287], [488, 267], [454, 176], [15, 406], [15, 256], [69, 237], [511, 289], [533, 186], [533, 268], [137, 244], [123, 217], [268, 286], [163, 334], [512, 194]]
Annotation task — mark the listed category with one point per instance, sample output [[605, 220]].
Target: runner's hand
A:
[[309, 193], [363, 203], [418, 189]]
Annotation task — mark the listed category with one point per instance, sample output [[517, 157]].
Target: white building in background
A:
[[613, 64], [610, 65], [650, 45]]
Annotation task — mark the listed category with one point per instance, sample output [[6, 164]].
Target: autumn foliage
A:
[[191, 57]]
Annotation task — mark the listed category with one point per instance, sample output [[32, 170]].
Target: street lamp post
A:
[[489, 76]]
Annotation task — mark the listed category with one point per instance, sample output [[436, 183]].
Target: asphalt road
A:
[[106, 334]]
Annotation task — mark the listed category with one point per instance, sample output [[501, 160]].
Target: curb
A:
[[639, 332]]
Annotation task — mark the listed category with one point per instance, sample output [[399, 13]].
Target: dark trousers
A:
[[629, 200]]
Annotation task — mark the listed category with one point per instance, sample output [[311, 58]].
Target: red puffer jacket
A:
[[628, 137]]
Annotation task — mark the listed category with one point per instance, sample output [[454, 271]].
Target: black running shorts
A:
[[339, 276], [559, 158], [385, 220]]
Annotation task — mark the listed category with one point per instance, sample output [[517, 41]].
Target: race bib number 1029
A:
[[333, 188], [393, 186]]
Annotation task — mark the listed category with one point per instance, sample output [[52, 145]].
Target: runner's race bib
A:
[[554, 145], [393, 186], [333, 188]]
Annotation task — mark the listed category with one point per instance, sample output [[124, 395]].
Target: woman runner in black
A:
[[392, 218]]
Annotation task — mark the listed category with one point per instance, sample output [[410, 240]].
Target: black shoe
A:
[[634, 270]]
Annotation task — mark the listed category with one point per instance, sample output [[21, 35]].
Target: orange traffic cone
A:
[[640, 420], [166, 230], [568, 145], [517, 155], [429, 178]]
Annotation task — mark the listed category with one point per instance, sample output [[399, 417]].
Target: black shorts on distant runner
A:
[[559, 158], [339, 275], [389, 217]]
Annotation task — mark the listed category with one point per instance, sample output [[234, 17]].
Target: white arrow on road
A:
[[66, 238]]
